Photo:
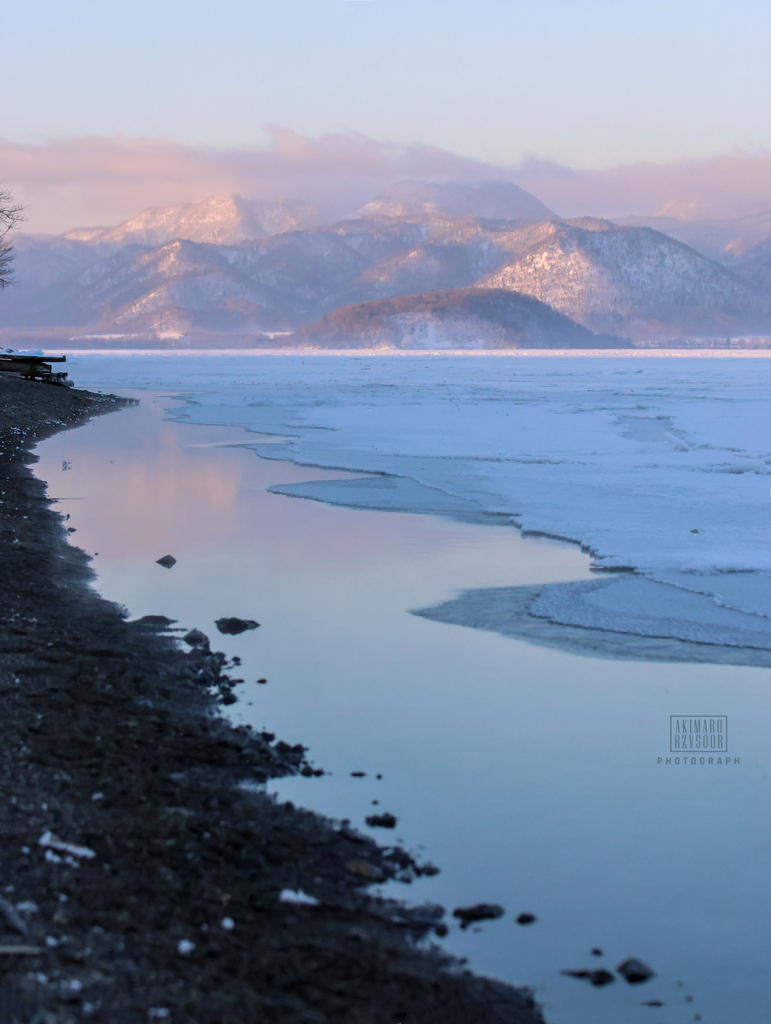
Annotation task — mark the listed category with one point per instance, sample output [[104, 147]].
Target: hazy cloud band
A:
[[97, 180]]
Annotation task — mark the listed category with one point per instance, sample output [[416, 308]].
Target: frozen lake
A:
[[530, 774]]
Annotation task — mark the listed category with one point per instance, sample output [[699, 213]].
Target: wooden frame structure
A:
[[35, 368]]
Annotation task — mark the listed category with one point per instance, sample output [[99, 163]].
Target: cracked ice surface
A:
[[628, 456]]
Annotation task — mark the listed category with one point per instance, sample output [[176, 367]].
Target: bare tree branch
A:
[[10, 216]]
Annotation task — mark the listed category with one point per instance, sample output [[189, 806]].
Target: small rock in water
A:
[[526, 919], [155, 621], [479, 912], [694, 531], [358, 775], [597, 978], [381, 820], [596, 951], [262, 681], [635, 971], [167, 561], [233, 626], [196, 638], [653, 1002]]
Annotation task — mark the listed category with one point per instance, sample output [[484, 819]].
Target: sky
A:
[[587, 86]]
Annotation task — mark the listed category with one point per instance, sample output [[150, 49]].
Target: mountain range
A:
[[229, 265], [220, 220]]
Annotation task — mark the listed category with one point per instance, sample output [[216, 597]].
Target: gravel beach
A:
[[141, 867]]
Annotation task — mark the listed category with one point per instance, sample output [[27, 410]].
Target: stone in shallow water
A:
[[381, 821], [479, 912], [233, 626], [155, 621], [196, 638], [598, 978], [167, 561], [635, 971]]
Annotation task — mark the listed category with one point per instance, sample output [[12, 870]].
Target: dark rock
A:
[[155, 621], [233, 626], [479, 912], [598, 978], [653, 1002], [167, 561], [358, 775], [425, 915], [526, 919], [262, 681], [596, 951], [196, 638], [635, 971], [381, 820]]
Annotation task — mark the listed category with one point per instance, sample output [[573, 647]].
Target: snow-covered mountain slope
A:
[[298, 275], [219, 220], [498, 200], [633, 281], [466, 318], [721, 240], [754, 265], [142, 288]]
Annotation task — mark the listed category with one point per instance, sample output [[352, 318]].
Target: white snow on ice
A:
[[658, 464]]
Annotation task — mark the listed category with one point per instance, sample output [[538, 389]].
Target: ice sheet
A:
[[661, 465]]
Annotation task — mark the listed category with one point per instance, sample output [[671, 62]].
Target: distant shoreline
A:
[[605, 353]]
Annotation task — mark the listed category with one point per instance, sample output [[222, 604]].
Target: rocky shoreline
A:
[[141, 875]]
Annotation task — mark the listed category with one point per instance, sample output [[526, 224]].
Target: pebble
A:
[[233, 626], [478, 912], [635, 971]]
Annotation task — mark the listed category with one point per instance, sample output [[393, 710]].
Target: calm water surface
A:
[[530, 776]]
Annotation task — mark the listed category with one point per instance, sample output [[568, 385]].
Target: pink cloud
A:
[[725, 186], [87, 181]]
